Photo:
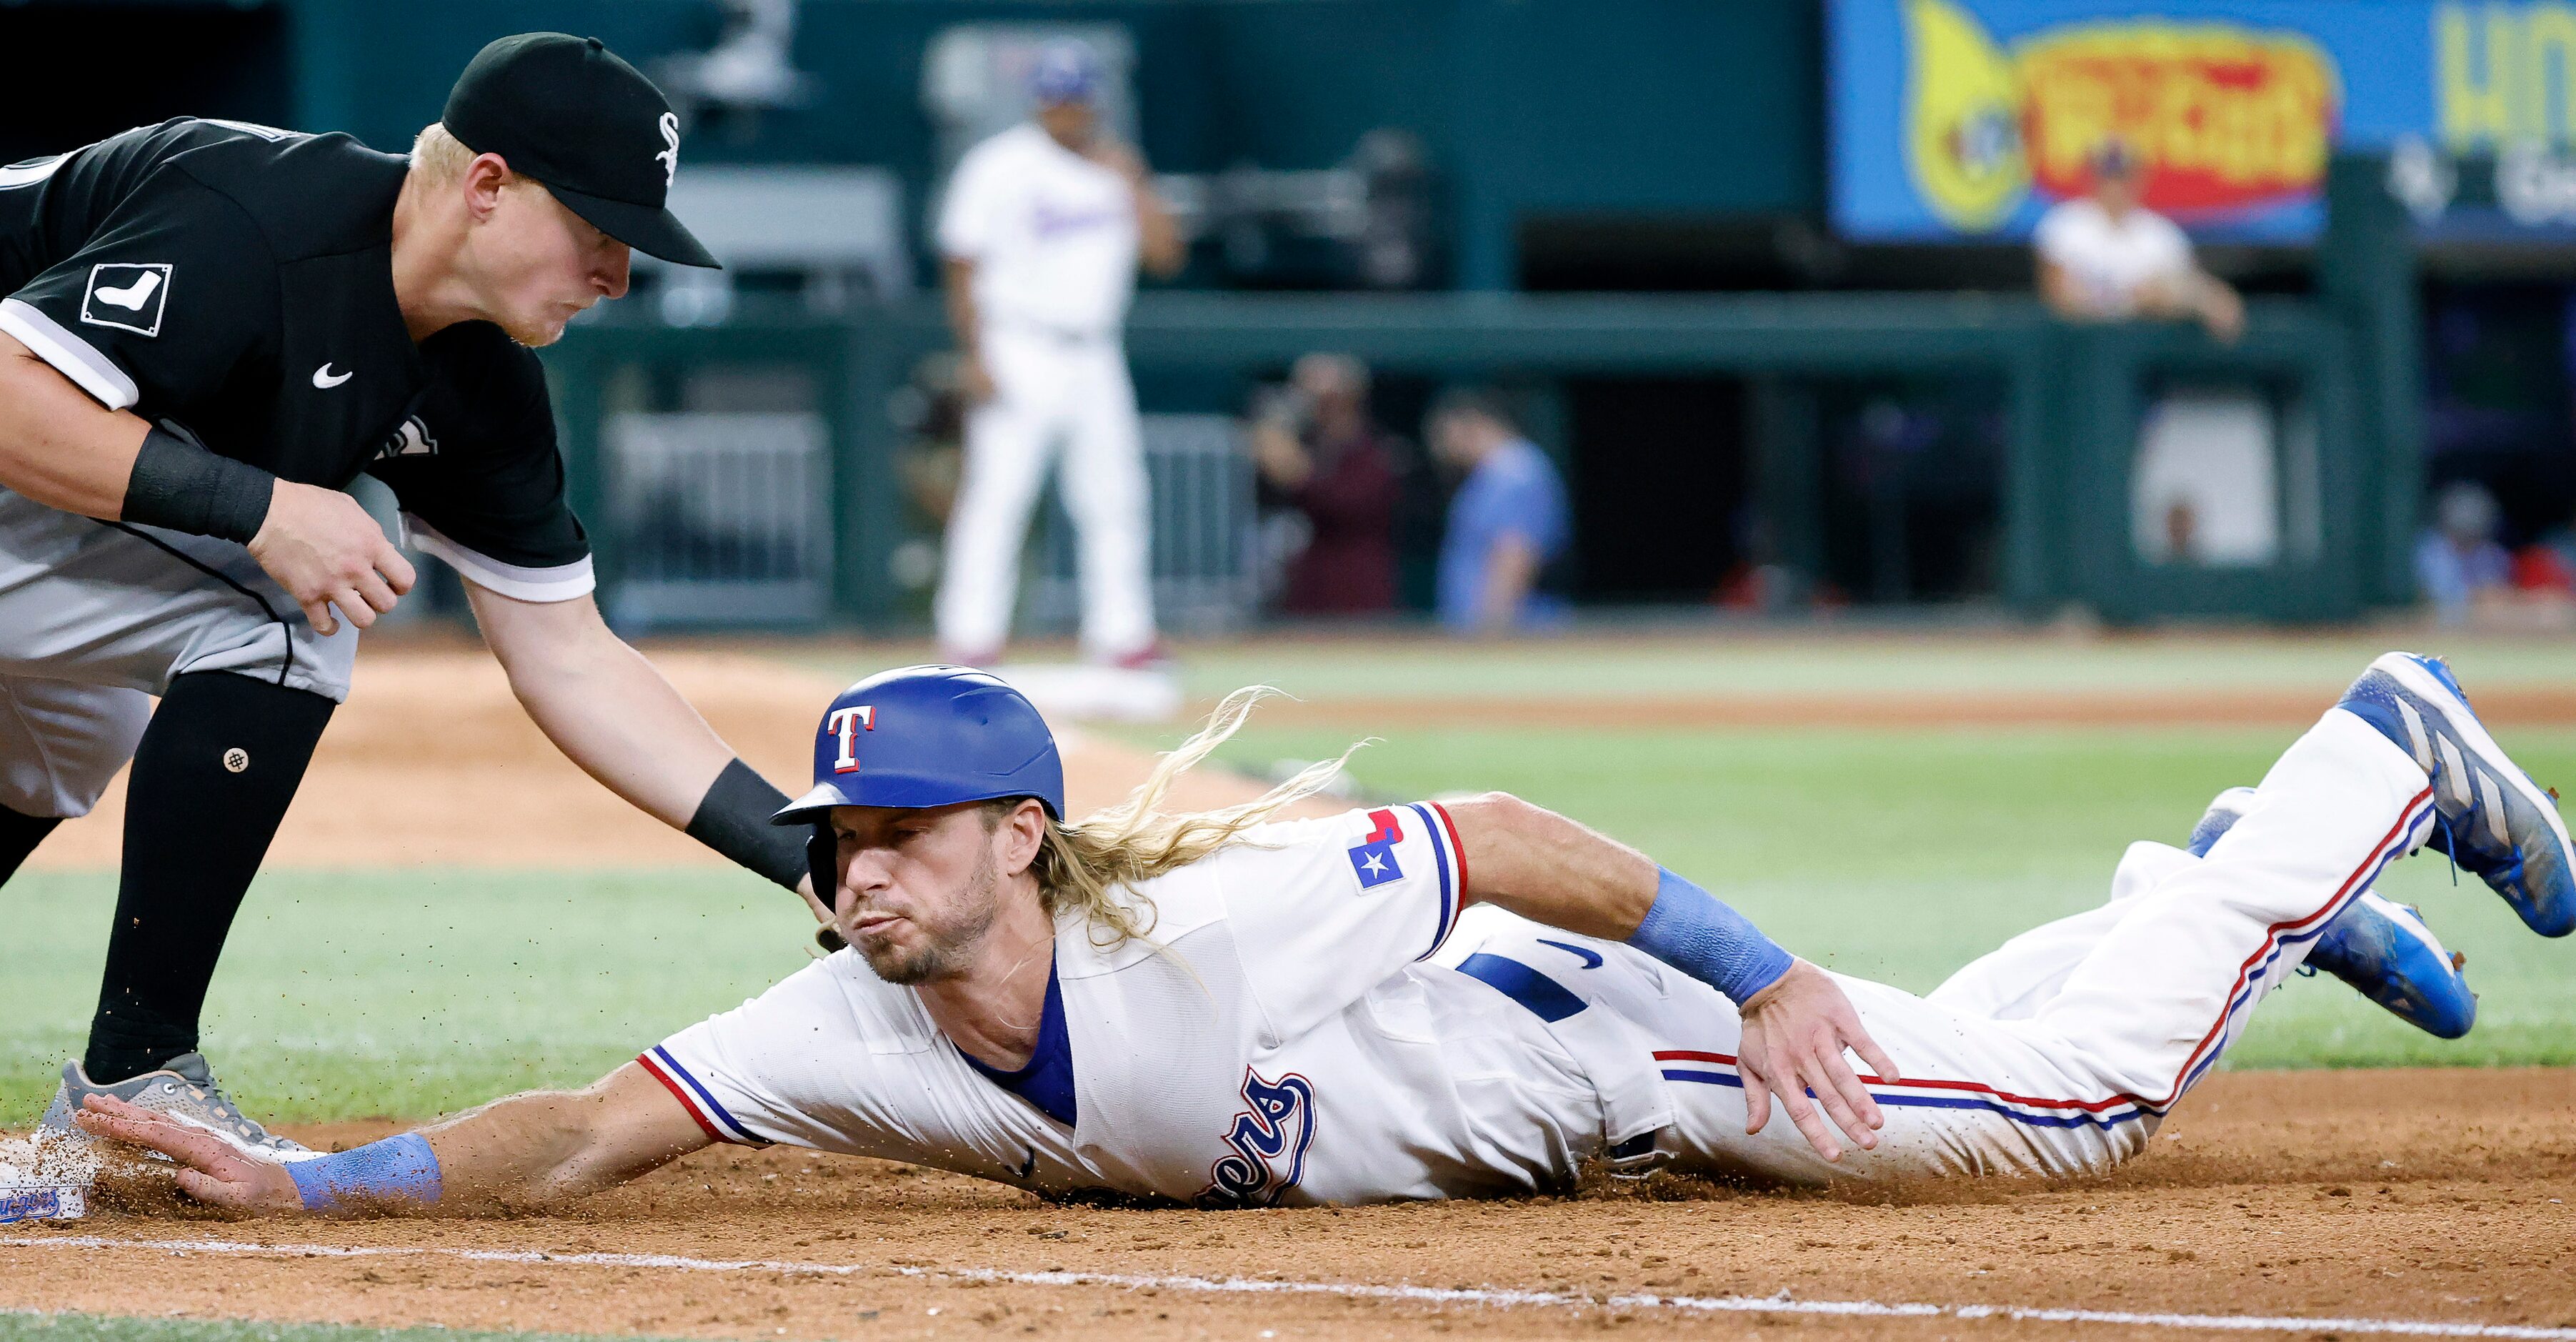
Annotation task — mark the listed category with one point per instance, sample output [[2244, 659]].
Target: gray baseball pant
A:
[[98, 617]]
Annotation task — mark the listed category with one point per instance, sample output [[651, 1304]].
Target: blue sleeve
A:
[[1529, 503]]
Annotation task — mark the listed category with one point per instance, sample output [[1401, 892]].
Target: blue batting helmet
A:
[[1065, 71], [929, 736]]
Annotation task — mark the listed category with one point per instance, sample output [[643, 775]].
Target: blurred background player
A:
[[1041, 235], [1507, 523], [2107, 257]]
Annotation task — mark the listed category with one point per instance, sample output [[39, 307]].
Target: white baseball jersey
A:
[[1279, 1040], [1052, 234], [1284, 1040], [2110, 261]]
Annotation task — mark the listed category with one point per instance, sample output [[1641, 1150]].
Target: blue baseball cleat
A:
[[2389, 955], [2494, 820], [2221, 817], [2384, 950]]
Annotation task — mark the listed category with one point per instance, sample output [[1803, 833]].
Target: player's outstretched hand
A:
[[213, 1171], [1795, 1032], [326, 551]]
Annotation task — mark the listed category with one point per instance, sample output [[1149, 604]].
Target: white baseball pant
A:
[[1050, 389], [2059, 1052]]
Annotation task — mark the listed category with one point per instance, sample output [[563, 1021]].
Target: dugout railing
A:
[[2073, 402]]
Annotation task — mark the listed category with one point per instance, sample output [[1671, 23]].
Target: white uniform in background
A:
[[2110, 262], [1317, 1023], [1053, 237]]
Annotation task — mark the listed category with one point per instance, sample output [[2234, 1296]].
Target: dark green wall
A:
[[1661, 108]]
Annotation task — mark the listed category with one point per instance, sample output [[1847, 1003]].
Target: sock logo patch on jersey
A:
[[1268, 1141], [127, 297], [1373, 858]]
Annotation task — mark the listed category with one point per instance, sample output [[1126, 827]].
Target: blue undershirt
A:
[[1047, 1080]]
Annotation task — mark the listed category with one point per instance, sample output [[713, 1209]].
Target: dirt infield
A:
[[432, 762], [2378, 1197]]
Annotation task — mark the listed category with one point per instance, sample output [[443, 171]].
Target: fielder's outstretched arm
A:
[[1796, 1020], [542, 1146]]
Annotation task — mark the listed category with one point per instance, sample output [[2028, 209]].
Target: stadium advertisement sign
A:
[[1965, 119]]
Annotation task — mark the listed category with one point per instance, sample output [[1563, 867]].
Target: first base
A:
[[53, 1202]]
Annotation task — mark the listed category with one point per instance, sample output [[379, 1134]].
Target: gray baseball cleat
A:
[[184, 1089]]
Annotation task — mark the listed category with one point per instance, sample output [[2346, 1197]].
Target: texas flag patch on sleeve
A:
[[1373, 858]]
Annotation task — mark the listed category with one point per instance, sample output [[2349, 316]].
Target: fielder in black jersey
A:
[[208, 330], [268, 331]]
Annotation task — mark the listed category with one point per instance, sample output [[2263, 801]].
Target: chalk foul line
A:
[[1436, 1295]]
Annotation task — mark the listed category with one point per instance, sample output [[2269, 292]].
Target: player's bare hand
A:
[[974, 381], [1795, 1032], [326, 551], [212, 1171]]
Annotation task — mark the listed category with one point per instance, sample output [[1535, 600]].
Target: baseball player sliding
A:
[[1042, 231], [1442, 999], [207, 331]]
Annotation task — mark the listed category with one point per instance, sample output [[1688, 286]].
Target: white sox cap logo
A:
[[669, 158], [127, 297]]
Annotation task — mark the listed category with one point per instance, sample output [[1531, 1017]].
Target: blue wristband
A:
[[1694, 932], [397, 1169]]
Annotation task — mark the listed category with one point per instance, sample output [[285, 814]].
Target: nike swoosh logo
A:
[[323, 378], [1591, 958], [133, 296]]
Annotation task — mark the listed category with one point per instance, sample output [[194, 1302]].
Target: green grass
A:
[[1858, 662], [1901, 856], [35, 1327], [411, 993]]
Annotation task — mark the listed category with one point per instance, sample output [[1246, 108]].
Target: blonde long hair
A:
[[1082, 864]]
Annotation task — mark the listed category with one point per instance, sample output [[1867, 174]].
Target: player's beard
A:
[[950, 944]]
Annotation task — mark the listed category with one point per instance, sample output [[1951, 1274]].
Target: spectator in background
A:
[[2458, 563], [1507, 522], [1320, 454], [2107, 257]]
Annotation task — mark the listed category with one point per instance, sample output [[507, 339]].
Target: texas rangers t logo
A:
[[1373, 860], [847, 723]]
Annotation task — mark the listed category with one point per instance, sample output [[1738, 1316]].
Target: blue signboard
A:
[[1965, 119]]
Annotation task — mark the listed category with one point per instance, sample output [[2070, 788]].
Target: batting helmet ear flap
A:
[[822, 862]]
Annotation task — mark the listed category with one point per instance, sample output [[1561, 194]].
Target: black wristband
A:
[[181, 486], [733, 819]]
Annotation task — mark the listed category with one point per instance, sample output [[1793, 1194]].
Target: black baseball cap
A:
[[567, 112]]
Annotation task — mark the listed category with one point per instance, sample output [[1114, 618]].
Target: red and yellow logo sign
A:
[[2225, 117]]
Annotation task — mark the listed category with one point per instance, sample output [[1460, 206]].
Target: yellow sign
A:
[[2506, 74], [2223, 116]]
